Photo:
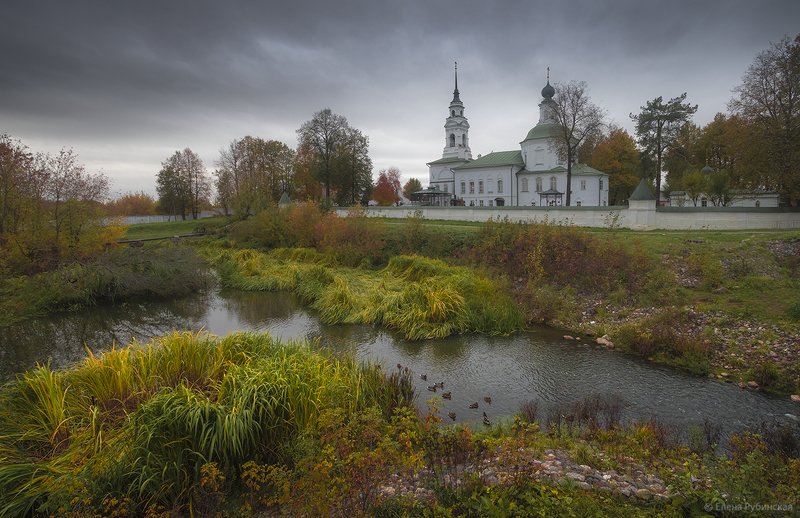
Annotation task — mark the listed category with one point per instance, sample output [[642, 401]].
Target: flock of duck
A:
[[448, 395]]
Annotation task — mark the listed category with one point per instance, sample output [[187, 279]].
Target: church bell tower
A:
[[456, 128]]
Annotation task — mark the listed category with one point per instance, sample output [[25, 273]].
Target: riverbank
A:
[[245, 425], [724, 304]]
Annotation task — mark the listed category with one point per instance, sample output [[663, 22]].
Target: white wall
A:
[[640, 216]]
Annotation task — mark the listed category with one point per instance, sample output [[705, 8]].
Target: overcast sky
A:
[[125, 84]]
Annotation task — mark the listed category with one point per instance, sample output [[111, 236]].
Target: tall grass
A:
[[420, 297], [138, 422]]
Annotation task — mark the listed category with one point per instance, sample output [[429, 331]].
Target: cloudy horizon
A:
[[126, 85]]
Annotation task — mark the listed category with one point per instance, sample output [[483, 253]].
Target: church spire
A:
[[456, 98]]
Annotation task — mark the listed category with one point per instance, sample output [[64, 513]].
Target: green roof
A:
[[583, 169], [544, 130], [497, 159], [642, 192], [577, 170], [447, 161]]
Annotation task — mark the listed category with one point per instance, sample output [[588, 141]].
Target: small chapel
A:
[[533, 175]]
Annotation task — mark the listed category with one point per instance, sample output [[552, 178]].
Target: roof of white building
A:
[[499, 158]]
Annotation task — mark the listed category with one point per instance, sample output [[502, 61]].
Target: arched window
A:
[[758, 203], [538, 185], [553, 183], [452, 113], [463, 140], [452, 140], [499, 186]]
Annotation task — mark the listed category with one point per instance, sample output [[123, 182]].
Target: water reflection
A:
[[511, 370]]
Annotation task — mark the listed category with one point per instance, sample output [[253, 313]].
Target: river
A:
[[537, 365]]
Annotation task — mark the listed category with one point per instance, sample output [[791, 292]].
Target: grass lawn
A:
[[171, 228]]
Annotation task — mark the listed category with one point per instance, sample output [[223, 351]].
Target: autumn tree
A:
[[49, 208], [338, 156], [579, 120], [253, 174], [387, 189], [132, 204], [411, 186], [183, 185], [658, 125], [616, 155], [15, 183], [769, 96]]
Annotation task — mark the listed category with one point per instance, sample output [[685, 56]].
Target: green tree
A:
[[183, 185], [411, 186], [769, 96], [616, 155], [337, 156], [695, 184], [353, 168], [719, 188], [580, 120], [658, 126]]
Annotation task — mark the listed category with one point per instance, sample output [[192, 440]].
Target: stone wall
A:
[[641, 215]]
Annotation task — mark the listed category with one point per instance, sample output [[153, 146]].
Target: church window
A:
[[601, 184], [445, 187], [480, 186], [578, 204], [553, 184], [463, 187], [490, 186], [539, 156], [583, 185], [524, 185], [481, 203], [472, 187], [538, 185], [452, 113], [704, 202], [491, 203], [499, 186], [758, 203], [452, 140], [463, 140]]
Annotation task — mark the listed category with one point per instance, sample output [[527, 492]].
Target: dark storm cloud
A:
[[125, 83]]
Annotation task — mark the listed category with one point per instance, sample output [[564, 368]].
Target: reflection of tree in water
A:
[[62, 339], [253, 308]]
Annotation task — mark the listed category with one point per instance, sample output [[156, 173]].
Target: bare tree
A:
[[580, 120], [770, 96]]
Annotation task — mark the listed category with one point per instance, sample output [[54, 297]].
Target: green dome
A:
[[544, 130]]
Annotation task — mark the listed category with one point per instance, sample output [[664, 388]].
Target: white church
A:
[[534, 175]]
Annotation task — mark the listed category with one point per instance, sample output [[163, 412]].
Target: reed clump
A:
[[422, 298], [140, 422]]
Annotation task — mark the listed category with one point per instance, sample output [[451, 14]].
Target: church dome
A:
[[544, 130], [707, 169], [548, 91]]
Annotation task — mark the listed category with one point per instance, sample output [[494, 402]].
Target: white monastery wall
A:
[[639, 216]]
